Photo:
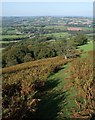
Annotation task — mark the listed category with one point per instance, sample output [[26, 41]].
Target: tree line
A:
[[24, 52]]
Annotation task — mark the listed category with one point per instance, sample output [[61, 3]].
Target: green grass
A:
[[87, 28], [91, 34], [1, 49], [59, 35], [62, 27], [13, 36], [5, 42], [86, 47], [58, 101]]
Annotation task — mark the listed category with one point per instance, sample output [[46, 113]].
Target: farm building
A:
[[74, 29]]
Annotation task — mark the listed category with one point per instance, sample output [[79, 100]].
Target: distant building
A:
[[74, 29]]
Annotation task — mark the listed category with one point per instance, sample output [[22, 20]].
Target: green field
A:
[[59, 35], [5, 42], [86, 47], [62, 27], [8, 38], [87, 28], [13, 36]]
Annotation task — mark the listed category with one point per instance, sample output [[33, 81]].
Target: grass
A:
[[1, 42], [62, 75], [61, 27], [87, 28], [59, 100], [86, 47], [12, 36], [59, 35], [40, 69]]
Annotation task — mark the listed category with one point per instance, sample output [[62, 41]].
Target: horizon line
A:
[[44, 16]]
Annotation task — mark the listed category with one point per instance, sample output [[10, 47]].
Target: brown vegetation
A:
[[22, 86], [81, 75]]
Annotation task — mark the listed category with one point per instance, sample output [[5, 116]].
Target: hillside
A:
[[62, 88], [24, 84], [47, 68], [68, 96]]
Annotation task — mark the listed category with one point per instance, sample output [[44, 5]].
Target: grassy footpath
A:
[[58, 101]]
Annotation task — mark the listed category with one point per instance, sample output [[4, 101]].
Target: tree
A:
[[28, 57], [80, 39]]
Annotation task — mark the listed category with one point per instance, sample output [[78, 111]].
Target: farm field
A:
[[13, 37], [62, 27], [60, 35]]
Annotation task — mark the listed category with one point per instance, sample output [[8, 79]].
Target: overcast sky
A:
[[47, 9]]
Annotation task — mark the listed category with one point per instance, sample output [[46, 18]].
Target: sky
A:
[[47, 9], [47, 0]]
